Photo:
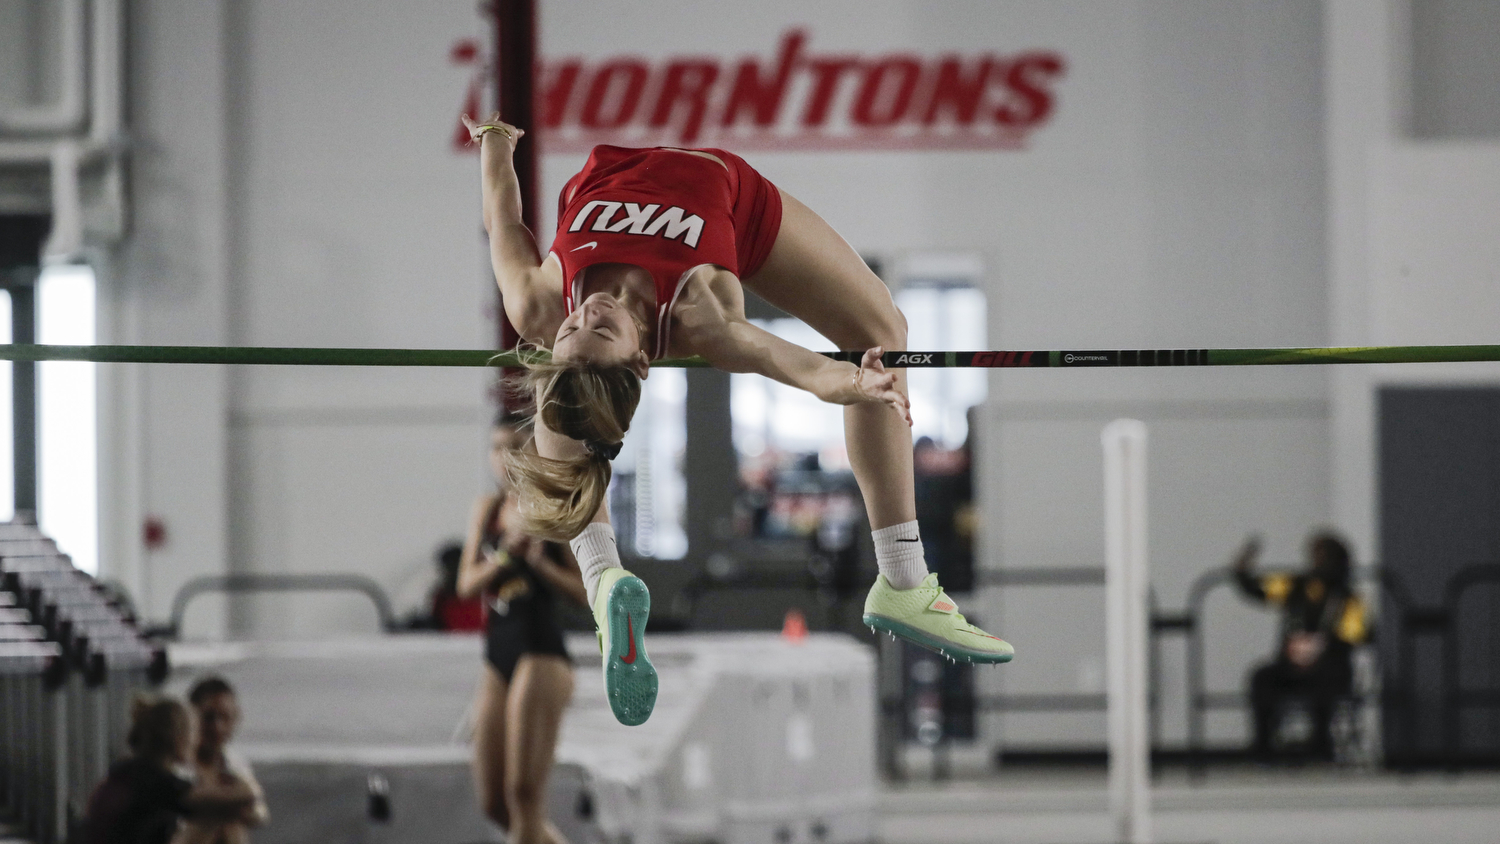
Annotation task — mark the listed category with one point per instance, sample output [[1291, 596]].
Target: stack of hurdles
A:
[[71, 658]]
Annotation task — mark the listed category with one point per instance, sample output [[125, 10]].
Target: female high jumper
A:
[[652, 248]]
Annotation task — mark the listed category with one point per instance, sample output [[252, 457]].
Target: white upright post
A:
[[1125, 598]]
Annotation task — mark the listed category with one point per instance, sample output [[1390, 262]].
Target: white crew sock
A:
[[596, 551], [898, 552]]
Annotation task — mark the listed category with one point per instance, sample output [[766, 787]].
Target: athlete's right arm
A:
[[534, 308]]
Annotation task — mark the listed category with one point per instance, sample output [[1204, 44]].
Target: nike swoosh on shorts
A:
[[593, 244]]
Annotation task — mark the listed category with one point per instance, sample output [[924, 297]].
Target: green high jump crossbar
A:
[[1065, 359]]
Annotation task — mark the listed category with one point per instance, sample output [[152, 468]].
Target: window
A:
[[67, 470], [795, 477], [945, 315], [648, 496], [7, 423]]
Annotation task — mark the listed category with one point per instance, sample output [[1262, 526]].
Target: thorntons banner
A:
[[797, 98]]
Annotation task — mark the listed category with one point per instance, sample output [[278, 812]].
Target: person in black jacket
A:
[[1321, 622], [143, 800]]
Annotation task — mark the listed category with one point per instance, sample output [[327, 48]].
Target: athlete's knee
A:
[[883, 325], [886, 328]]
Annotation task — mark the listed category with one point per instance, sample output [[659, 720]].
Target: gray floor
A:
[[421, 730], [1237, 807]]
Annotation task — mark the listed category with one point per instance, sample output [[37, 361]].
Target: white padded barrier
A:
[[754, 739]]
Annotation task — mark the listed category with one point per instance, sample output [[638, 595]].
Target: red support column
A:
[[515, 63]]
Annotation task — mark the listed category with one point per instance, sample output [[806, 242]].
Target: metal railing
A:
[[1399, 631], [284, 582], [1456, 697]]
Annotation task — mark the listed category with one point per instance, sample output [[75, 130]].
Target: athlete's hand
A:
[[492, 126], [873, 383]]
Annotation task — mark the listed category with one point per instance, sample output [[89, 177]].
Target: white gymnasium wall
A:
[[1435, 260], [358, 226], [1173, 199], [1411, 250], [295, 185], [1429, 250], [164, 447]]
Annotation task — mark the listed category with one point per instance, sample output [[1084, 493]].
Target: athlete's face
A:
[[218, 715], [600, 331]]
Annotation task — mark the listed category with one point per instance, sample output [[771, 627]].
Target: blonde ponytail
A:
[[586, 402], [556, 499]]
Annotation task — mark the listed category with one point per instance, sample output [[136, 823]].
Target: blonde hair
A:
[[156, 721], [592, 403]]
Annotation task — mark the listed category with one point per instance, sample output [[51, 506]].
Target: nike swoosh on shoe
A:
[[629, 658]]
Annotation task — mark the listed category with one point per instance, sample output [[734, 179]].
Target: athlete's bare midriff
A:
[[701, 154]]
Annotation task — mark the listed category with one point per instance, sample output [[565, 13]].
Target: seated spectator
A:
[[1321, 622], [450, 611], [143, 800], [215, 764]]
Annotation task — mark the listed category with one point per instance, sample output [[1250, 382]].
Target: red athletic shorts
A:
[[756, 209]]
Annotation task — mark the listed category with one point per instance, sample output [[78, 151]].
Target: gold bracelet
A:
[[480, 131]]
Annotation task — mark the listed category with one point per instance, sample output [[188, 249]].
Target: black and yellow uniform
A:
[[1314, 603], [520, 609]]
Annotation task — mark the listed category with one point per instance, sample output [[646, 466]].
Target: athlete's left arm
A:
[[717, 330]]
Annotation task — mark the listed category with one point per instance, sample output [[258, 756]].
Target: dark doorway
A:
[[21, 239], [1439, 529]]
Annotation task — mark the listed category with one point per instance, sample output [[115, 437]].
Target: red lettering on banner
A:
[[618, 86], [1027, 80], [958, 89], [556, 90], [689, 81], [983, 359], [466, 52], [763, 99], [885, 94], [827, 72], [797, 99], [1026, 358]]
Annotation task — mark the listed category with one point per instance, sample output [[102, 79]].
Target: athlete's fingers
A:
[[881, 384], [872, 379], [899, 403]]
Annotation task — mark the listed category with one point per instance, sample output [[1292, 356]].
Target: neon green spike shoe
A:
[[621, 607], [926, 616]]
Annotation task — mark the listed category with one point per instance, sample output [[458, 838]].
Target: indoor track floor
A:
[[1253, 806]]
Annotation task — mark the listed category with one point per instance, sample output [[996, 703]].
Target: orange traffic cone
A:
[[794, 629]]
